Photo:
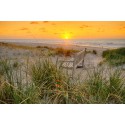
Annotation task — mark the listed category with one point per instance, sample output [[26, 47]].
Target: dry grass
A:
[[48, 84], [58, 51], [14, 46]]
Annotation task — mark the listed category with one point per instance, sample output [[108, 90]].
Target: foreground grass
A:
[[115, 56], [45, 83]]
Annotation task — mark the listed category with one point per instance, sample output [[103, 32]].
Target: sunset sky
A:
[[62, 30]]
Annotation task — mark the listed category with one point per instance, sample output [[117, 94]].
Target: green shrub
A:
[[38, 47], [115, 56], [94, 52]]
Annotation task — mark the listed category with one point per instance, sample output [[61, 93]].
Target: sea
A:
[[103, 43]]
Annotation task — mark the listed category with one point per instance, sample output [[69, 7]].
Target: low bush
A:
[[94, 52], [115, 56]]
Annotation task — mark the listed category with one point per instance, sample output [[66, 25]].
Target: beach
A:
[[21, 54], [29, 64], [6, 51]]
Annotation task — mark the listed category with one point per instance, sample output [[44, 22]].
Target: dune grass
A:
[[115, 56], [106, 88], [94, 52], [48, 84], [65, 52], [15, 46], [58, 51]]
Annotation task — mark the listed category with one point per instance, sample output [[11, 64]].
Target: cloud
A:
[[122, 28], [56, 33], [43, 29], [24, 28], [45, 21], [100, 30], [84, 26], [81, 27], [71, 32], [53, 24], [28, 32], [59, 33], [34, 22]]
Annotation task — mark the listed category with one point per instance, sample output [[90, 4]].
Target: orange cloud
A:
[[122, 28], [84, 26], [71, 32], [81, 27], [53, 24], [100, 30], [34, 22], [43, 29], [28, 32], [24, 29], [56, 33], [45, 21]]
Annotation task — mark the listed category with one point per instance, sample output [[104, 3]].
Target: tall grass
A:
[[50, 79], [12, 88], [106, 88], [48, 84]]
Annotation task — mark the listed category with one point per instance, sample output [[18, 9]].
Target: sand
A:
[[21, 53]]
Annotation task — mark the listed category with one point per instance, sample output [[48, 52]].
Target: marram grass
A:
[[43, 82]]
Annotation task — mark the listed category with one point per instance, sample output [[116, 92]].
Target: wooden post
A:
[[83, 59]]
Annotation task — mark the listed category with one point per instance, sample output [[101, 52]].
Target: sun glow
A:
[[66, 36], [65, 30]]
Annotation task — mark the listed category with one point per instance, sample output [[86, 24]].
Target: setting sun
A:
[[66, 36]]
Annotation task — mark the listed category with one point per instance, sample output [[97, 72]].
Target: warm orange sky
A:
[[62, 29]]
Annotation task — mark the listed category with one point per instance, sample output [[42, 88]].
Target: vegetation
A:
[[94, 52], [44, 82], [115, 56], [58, 51], [65, 52], [11, 45]]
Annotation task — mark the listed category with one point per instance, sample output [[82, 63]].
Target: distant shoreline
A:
[[87, 43], [55, 45]]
